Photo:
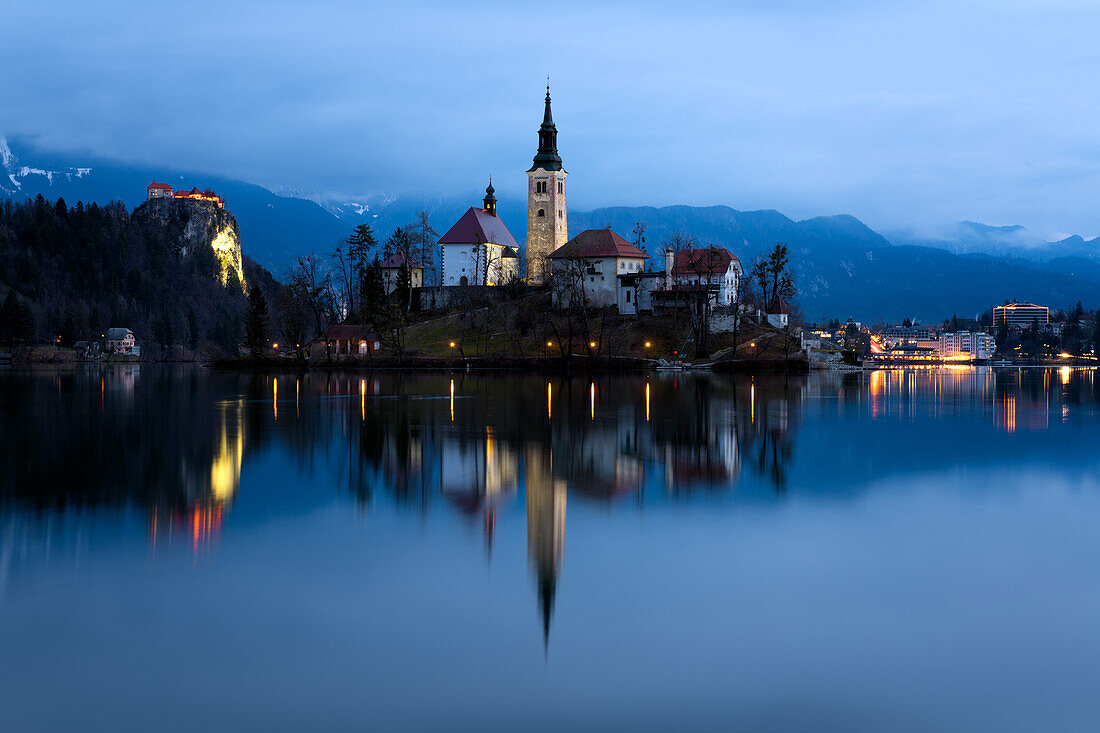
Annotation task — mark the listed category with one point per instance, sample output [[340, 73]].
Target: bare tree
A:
[[292, 320], [311, 286], [772, 276]]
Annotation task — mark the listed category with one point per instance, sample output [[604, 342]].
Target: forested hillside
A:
[[70, 273]]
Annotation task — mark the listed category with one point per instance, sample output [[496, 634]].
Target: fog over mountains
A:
[[843, 268]]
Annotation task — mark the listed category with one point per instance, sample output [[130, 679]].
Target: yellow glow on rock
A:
[[227, 250]]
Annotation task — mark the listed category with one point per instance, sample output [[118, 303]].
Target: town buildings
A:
[[915, 335], [967, 345], [1020, 315], [479, 249]]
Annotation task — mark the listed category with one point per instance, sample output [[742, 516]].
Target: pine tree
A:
[[255, 322]]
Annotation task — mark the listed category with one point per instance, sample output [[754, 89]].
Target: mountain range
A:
[[842, 267]]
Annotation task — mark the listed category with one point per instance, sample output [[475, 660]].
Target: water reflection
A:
[[173, 444]]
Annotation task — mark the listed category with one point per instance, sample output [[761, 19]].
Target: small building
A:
[[479, 249], [391, 272], [121, 341], [596, 260], [779, 314], [352, 340], [158, 191]]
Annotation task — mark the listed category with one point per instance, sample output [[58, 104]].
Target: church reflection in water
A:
[[481, 443], [173, 444]]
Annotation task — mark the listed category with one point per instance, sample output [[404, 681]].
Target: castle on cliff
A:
[[164, 191]]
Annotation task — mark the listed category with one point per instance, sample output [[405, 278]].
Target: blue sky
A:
[[903, 114]]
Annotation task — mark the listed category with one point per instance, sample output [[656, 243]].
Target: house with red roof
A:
[[712, 268], [479, 249], [597, 263], [158, 191]]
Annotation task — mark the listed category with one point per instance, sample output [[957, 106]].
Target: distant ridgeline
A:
[[172, 272]]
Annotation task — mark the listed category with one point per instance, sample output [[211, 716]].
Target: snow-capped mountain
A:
[[14, 175]]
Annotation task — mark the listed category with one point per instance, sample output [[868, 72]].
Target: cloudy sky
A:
[[903, 114]]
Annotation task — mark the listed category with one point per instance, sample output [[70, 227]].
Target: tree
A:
[[773, 277], [162, 332], [311, 286], [192, 329], [351, 259], [255, 322], [401, 243], [425, 242], [293, 322]]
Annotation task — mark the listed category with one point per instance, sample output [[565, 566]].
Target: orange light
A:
[[452, 344], [647, 344], [592, 344], [275, 346]]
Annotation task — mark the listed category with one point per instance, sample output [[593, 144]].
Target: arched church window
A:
[[561, 186], [541, 213]]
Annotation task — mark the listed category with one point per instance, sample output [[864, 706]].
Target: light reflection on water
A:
[[714, 522]]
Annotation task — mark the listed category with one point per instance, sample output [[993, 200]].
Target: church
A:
[[479, 249]]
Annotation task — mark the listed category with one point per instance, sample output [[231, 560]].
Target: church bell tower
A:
[[547, 227]]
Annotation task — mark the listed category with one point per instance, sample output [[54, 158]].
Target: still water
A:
[[189, 550]]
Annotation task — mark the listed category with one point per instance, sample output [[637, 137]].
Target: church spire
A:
[[547, 156], [547, 118], [491, 199]]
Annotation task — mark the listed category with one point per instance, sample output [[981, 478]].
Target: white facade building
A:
[[964, 344], [479, 249], [714, 268], [596, 260]]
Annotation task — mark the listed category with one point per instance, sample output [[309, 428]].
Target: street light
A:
[[647, 344], [452, 344], [592, 344]]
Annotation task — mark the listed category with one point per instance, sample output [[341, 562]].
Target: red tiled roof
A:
[[394, 262], [478, 226], [780, 307], [161, 186], [350, 332], [597, 243], [707, 261]]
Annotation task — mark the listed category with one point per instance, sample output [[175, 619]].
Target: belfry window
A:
[[561, 186], [542, 212]]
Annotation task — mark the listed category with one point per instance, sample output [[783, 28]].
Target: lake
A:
[[183, 550]]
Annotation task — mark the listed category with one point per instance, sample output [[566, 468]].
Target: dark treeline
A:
[[69, 273]]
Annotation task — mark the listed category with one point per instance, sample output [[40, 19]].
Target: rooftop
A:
[[704, 261], [597, 243], [478, 226]]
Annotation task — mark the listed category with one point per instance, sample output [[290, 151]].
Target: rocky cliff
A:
[[199, 224]]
